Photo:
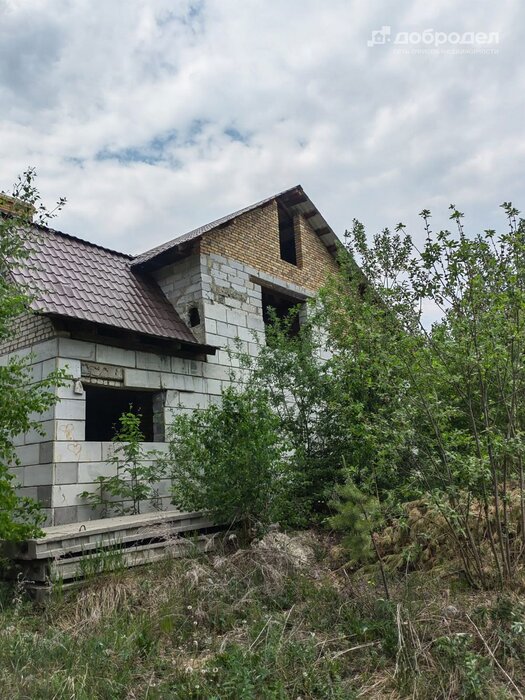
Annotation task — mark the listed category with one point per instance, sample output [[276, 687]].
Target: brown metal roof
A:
[[79, 280], [294, 198]]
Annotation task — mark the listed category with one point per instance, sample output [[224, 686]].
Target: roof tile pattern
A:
[[76, 279]]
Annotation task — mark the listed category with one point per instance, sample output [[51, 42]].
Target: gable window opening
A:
[[105, 405], [287, 247], [194, 317], [282, 308]]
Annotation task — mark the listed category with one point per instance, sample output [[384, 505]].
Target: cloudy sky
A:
[[155, 116]]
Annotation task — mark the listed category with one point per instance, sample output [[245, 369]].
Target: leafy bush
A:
[[229, 460]]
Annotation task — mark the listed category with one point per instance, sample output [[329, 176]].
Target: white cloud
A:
[[152, 120]]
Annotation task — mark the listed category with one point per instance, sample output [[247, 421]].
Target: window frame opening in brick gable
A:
[[105, 405], [287, 236], [283, 306], [194, 317]]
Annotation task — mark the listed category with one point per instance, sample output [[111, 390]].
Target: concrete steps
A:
[[70, 554]]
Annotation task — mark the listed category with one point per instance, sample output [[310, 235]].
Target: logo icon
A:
[[380, 36]]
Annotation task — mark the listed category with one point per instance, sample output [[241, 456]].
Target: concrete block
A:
[[255, 322], [66, 473], [19, 440], [108, 450], [78, 451], [27, 492], [185, 382], [211, 326], [71, 431], [213, 386], [39, 475], [46, 415], [68, 391], [109, 355], [236, 317], [155, 447], [48, 366], [70, 409], [145, 379], [46, 452], [36, 371], [222, 358], [236, 304], [45, 350], [68, 494], [212, 371], [76, 349], [47, 514], [226, 330], [172, 398], [255, 294], [216, 312], [65, 515], [254, 349], [192, 401], [28, 454], [44, 495], [18, 475], [90, 471], [148, 360], [247, 334], [72, 367]]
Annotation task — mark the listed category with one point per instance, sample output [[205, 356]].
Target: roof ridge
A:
[[48, 229]]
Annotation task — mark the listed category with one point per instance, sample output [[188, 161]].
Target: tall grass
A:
[[269, 621]]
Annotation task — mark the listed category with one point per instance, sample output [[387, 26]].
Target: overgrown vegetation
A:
[[229, 461], [404, 436], [23, 398], [371, 394], [451, 392], [279, 619]]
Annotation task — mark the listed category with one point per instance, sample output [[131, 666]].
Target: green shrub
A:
[[228, 460]]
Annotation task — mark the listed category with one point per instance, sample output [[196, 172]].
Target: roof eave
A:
[[198, 348]]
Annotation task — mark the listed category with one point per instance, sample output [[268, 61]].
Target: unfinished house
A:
[[152, 331]]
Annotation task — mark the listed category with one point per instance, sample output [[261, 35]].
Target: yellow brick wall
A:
[[28, 330], [253, 238]]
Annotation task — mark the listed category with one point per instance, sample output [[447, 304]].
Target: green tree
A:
[[138, 472], [442, 410], [358, 516], [228, 460], [293, 376], [22, 399]]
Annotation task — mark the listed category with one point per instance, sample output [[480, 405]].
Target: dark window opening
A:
[[286, 237], [194, 317], [281, 308], [105, 405]]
